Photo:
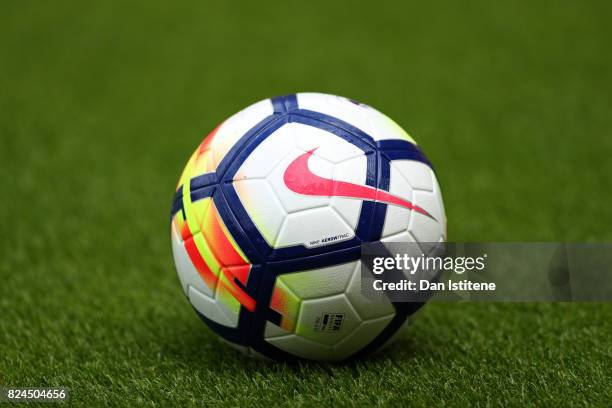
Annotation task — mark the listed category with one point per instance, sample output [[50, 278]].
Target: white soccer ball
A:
[[270, 213]]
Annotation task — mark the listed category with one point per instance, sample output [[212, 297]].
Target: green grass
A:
[[101, 104]]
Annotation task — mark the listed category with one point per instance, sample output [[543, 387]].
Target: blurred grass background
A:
[[101, 104]]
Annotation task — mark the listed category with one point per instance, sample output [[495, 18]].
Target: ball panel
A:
[[205, 245], [416, 182], [398, 218], [367, 331], [230, 131], [291, 201], [402, 236], [328, 146], [327, 320], [313, 228], [366, 307], [417, 175], [269, 155], [263, 206], [215, 146], [352, 170], [219, 312], [315, 283], [187, 273], [359, 115], [425, 229], [287, 304], [385, 128]]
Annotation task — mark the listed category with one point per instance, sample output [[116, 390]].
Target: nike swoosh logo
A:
[[299, 179]]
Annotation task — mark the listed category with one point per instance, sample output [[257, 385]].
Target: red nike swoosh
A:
[[299, 179]]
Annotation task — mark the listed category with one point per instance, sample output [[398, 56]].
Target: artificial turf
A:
[[101, 104]]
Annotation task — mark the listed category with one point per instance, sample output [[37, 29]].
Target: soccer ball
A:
[[269, 216]]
